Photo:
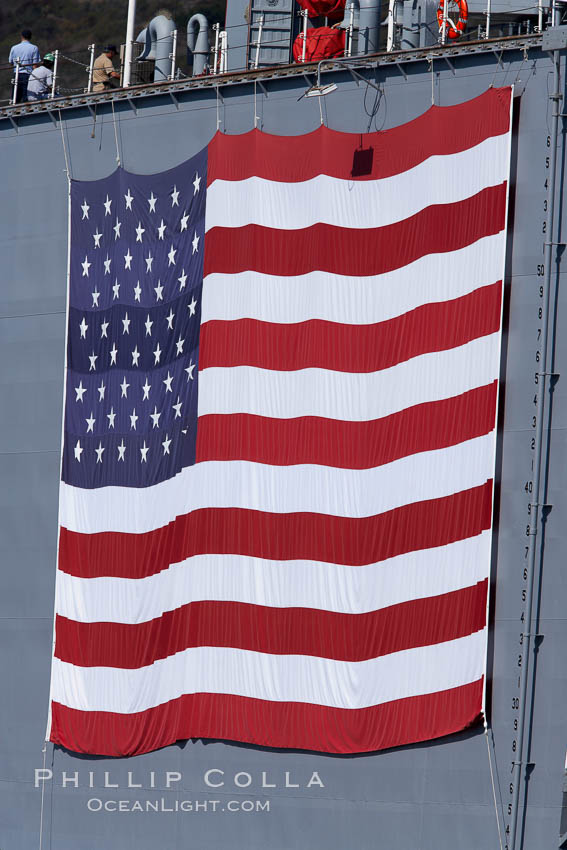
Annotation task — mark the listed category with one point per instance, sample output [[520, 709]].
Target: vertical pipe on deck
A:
[[259, 40], [127, 76], [304, 14], [350, 30], [541, 461], [16, 80], [55, 68], [223, 52], [92, 48], [216, 28], [173, 56], [390, 35]]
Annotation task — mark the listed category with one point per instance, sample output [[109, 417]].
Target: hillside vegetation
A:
[[71, 25]]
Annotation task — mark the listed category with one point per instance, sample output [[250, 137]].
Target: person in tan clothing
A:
[[103, 69]]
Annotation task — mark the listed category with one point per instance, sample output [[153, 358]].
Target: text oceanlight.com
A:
[[95, 804]]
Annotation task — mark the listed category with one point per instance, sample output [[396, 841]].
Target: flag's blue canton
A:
[[137, 247]]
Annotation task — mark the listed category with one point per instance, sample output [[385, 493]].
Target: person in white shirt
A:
[[41, 79]]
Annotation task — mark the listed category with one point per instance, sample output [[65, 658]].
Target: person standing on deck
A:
[[28, 56], [103, 69]]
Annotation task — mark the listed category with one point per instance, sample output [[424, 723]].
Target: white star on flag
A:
[[85, 208], [166, 444], [195, 243], [179, 345], [95, 295], [83, 327], [128, 198], [116, 228], [128, 260], [155, 417], [107, 263], [101, 391], [135, 356], [113, 354], [149, 261], [107, 205], [158, 291], [86, 266], [152, 202], [157, 354], [99, 452], [115, 289], [182, 280], [196, 184], [133, 419], [93, 358], [184, 220], [174, 197], [103, 328], [167, 381], [189, 370], [144, 451], [148, 325], [126, 324], [191, 307], [171, 256], [90, 423], [78, 451], [124, 387], [111, 417], [121, 450], [80, 390], [137, 291], [161, 230], [97, 237], [139, 231], [177, 407], [146, 389], [169, 319]]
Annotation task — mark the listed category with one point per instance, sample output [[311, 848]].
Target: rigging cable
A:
[[116, 135], [67, 168], [496, 811]]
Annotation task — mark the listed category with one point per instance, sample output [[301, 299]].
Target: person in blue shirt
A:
[[28, 54]]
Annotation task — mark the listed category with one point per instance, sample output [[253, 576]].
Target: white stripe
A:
[[276, 584], [280, 489], [350, 396], [353, 300], [442, 179], [280, 678]]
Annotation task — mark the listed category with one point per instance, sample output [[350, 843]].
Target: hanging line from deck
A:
[[115, 135], [491, 766], [67, 167], [44, 751]]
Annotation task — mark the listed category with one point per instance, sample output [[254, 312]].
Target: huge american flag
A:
[[279, 440]]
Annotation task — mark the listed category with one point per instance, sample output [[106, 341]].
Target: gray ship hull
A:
[[429, 796]]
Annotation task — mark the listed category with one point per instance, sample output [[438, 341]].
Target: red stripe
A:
[[436, 229], [316, 537], [271, 724], [278, 631], [440, 130], [351, 348], [348, 445]]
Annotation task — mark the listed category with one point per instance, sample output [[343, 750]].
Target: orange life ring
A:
[[454, 30]]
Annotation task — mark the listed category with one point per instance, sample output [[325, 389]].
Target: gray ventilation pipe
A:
[[411, 24], [159, 46], [369, 26], [198, 43]]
